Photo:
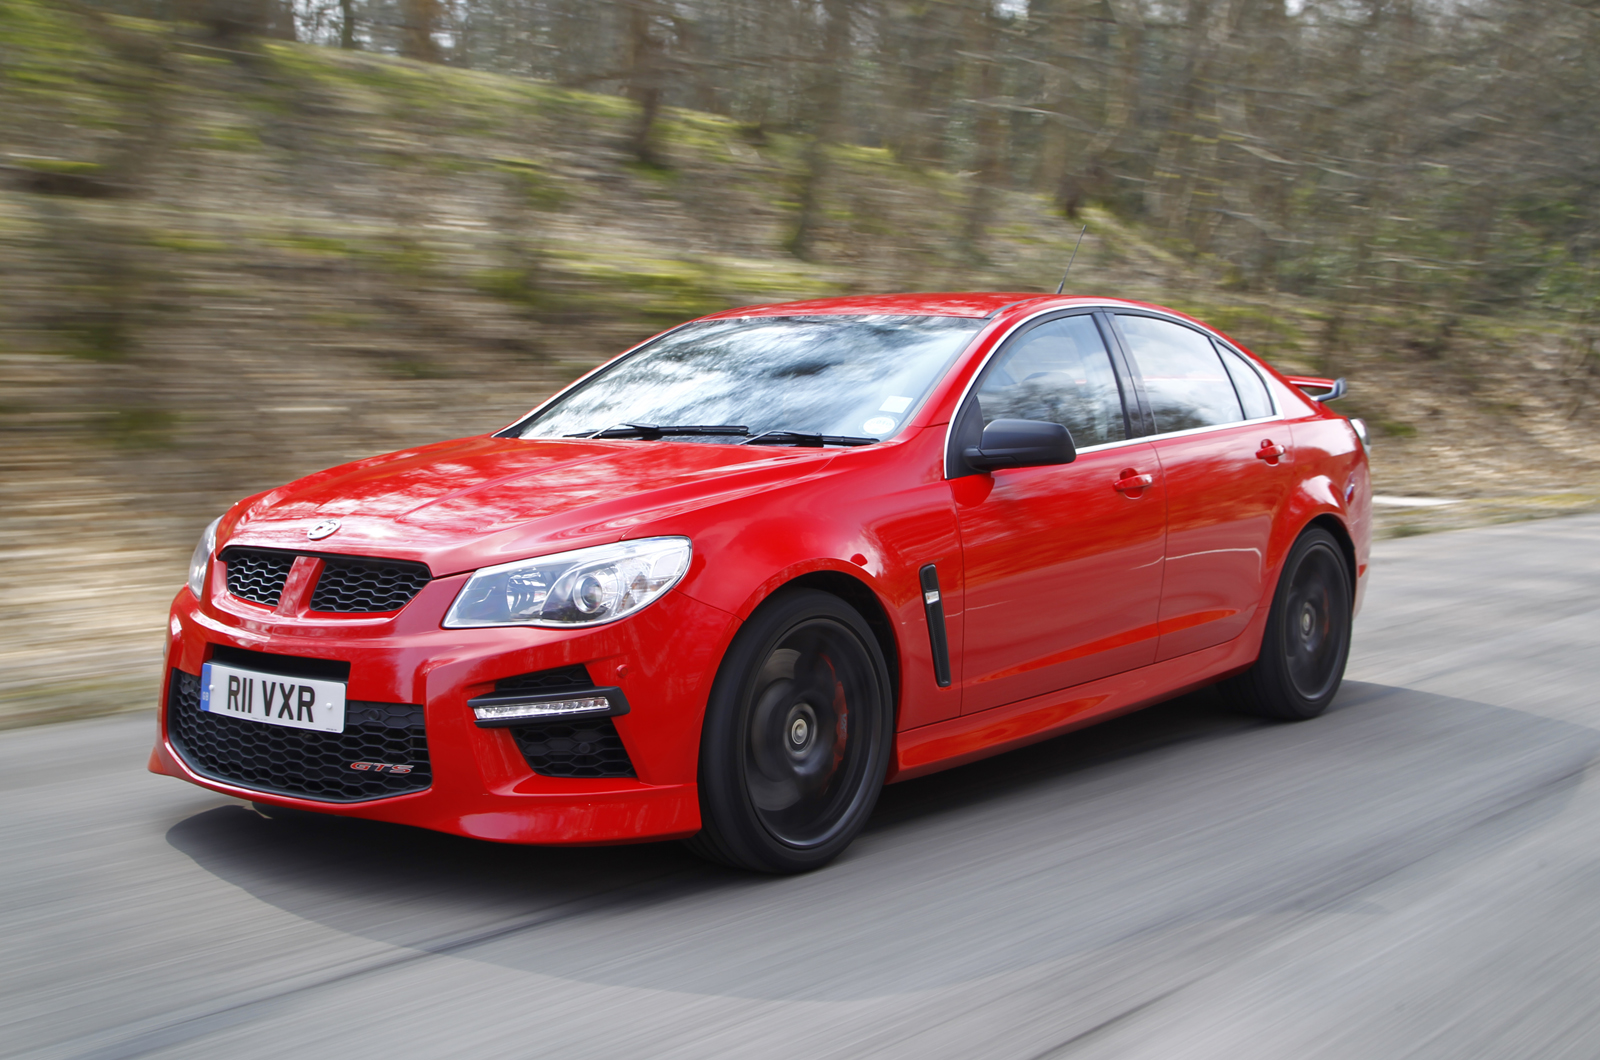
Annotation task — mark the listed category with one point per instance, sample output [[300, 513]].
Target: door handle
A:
[[1133, 483], [1270, 451]]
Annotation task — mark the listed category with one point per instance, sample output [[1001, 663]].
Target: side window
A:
[[1058, 371], [1183, 375], [1252, 391]]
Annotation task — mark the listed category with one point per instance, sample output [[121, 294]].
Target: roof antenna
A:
[[1062, 286]]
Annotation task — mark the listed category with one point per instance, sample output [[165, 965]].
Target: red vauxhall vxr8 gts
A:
[[727, 585]]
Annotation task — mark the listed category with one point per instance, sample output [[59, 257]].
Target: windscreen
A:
[[853, 376]]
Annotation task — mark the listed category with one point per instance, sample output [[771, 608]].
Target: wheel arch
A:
[[1340, 533], [859, 595]]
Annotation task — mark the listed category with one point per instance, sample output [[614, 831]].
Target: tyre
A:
[[796, 738], [1307, 639]]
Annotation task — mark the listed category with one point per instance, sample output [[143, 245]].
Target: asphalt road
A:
[[1416, 874]]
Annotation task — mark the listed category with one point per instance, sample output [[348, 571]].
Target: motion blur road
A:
[[1415, 874]]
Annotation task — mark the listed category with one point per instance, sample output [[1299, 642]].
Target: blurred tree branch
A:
[[1340, 148]]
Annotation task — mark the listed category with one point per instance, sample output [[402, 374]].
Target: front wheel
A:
[[796, 737], [1307, 639]]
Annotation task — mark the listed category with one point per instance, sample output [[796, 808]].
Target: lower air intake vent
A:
[[302, 762], [257, 575], [588, 748]]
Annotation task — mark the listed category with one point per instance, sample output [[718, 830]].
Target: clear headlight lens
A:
[[586, 587], [201, 558]]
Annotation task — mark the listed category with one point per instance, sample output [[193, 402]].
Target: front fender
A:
[[877, 516]]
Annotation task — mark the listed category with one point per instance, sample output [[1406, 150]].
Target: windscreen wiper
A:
[[807, 438], [652, 431]]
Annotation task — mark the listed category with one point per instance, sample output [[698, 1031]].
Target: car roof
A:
[[974, 304], [960, 304]]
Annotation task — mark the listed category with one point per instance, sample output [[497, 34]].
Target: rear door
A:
[[1225, 459], [1062, 564]]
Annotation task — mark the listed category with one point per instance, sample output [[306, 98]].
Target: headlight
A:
[[586, 587], [201, 559]]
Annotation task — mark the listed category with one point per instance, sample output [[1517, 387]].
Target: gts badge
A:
[[379, 767]]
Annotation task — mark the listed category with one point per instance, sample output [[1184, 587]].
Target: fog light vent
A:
[[561, 722], [574, 749]]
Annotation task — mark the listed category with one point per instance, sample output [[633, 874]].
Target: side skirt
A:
[[945, 744]]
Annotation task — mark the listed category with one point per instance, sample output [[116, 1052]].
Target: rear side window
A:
[[1058, 371], [1184, 379], [1252, 391]]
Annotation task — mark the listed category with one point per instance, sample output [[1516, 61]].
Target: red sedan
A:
[[727, 585]]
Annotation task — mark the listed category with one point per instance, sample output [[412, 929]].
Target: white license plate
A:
[[273, 699]]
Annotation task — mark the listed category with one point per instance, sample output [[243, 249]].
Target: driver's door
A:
[[1062, 563]]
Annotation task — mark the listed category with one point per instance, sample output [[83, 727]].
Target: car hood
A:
[[478, 501]]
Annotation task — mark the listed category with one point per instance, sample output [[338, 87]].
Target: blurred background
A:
[[241, 240]]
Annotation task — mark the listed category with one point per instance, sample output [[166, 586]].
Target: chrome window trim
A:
[[1113, 306], [1274, 418], [1103, 446], [1124, 443], [1250, 363]]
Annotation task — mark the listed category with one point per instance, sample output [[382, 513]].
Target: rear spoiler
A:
[[1333, 388]]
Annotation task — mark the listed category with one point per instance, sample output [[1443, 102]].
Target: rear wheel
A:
[[1307, 639], [796, 737]]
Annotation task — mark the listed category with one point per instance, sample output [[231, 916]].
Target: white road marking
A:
[[1413, 502]]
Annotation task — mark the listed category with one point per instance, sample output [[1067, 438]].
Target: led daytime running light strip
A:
[[546, 709]]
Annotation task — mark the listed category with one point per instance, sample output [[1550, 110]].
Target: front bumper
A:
[[664, 659]]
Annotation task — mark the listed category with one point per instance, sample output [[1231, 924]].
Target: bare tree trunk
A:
[[280, 19], [927, 39], [347, 25], [416, 34], [1063, 35], [984, 84], [1177, 162], [1259, 61], [703, 60], [644, 85], [1091, 173], [828, 99], [229, 20]]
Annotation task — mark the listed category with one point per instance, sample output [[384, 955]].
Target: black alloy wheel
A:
[[1307, 639], [796, 737]]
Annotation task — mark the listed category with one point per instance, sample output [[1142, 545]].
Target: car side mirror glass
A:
[[1021, 443]]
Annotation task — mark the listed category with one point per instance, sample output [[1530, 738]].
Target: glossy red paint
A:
[[476, 502], [1222, 507], [1071, 593], [1047, 609]]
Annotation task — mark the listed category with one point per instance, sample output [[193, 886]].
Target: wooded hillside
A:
[[228, 258]]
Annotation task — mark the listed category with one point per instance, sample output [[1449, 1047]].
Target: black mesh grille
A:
[[257, 575], [574, 749], [565, 679], [367, 585], [301, 762]]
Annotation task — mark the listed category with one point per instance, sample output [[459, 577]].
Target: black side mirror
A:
[[1021, 443]]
